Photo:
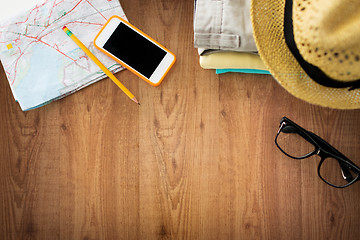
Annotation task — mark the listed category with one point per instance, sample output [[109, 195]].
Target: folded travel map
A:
[[41, 62]]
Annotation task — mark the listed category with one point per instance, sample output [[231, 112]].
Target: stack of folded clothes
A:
[[224, 37]]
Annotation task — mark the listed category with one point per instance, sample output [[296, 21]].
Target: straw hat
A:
[[315, 55]]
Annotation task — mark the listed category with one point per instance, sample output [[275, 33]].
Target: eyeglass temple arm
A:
[[344, 167]]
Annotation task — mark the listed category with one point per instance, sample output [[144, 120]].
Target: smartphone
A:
[[135, 50]]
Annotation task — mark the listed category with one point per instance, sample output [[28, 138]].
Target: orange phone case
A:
[[124, 64]]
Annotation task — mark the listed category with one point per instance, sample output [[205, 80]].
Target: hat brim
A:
[[267, 18]]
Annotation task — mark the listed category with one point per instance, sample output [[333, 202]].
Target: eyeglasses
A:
[[334, 168]]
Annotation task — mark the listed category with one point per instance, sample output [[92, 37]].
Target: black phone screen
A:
[[134, 50]]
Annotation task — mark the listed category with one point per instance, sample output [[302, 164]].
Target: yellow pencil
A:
[[102, 66]]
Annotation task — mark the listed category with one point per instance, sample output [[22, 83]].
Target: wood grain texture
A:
[[196, 160]]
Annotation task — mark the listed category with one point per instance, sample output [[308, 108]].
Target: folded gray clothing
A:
[[223, 25]]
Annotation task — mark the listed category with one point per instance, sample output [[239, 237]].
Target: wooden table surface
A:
[[196, 160]]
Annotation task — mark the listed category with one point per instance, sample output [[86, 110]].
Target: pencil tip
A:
[[135, 100]]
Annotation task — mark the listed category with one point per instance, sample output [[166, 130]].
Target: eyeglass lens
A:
[[293, 143], [330, 170]]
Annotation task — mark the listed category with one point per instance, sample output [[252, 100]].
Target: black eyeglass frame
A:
[[324, 150]]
